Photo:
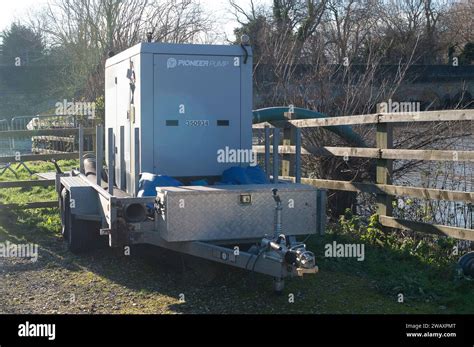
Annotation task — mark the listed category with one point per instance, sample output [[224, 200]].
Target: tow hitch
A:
[[286, 250]]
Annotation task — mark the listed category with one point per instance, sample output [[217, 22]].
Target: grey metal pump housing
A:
[[187, 102]]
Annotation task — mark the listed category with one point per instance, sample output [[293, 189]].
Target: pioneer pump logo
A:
[[173, 63]]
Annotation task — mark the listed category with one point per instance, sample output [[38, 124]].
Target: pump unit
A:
[[187, 102]]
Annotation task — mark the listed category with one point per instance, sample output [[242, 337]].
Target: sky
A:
[[11, 10]]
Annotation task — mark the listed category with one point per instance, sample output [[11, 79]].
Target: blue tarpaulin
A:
[[235, 175]]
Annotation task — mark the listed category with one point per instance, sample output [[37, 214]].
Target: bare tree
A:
[[457, 27], [83, 32]]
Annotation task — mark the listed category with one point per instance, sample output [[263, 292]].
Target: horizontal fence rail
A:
[[416, 192], [29, 205], [41, 157], [45, 132], [377, 153], [435, 229], [427, 116], [27, 184]]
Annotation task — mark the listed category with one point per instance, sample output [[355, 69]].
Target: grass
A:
[[34, 194], [37, 167], [152, 280], [431, 287]]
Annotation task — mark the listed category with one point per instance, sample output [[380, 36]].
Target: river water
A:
[[449, 175]]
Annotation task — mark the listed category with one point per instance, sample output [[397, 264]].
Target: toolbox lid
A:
[[222, 189]]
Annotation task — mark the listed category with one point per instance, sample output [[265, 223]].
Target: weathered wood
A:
[[44, 132], [298, 148], [323, 122], [434, 155], [376, 153], [394, 154], [41, 157], [29, 205], [281, 149], [416, 192], [289, 139], [355, 152], [331, 121], [402, 117], [52, 144], [455, 232], [27, 184], [262, 125], [54, 138], [427, 116], [47, 151], [276, 158], [384, 168]]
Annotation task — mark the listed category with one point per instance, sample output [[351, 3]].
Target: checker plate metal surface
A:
[[216, 213]]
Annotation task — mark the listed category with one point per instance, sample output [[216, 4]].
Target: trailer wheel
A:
[[82, 235], [466, 262]]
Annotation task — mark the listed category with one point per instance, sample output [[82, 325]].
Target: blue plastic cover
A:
[[200, 183], [235, 175], [257, 175], [239, 175], [149, 182]]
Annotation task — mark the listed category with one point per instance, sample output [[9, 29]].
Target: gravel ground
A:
[[157, 281]]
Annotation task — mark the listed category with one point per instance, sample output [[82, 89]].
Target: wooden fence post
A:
[[289, 139], [267, 151], [384, 140], [276, 158]]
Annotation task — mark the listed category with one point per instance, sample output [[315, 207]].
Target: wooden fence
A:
[[384, 154], [79, 133]]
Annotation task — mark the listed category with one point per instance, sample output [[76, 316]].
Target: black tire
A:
[[82, 235], [467, 264]]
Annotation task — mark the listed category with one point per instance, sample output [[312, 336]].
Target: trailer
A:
[[181, 113]]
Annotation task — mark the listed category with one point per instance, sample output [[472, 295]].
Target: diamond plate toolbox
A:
[[237, 212]]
